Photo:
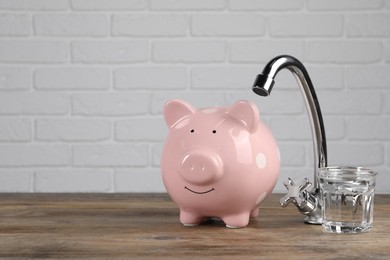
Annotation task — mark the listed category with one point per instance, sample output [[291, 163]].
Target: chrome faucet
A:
[[306, 200]]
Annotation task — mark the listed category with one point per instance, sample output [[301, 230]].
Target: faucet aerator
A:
[[263, 85]]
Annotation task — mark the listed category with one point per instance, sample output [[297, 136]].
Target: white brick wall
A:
[[29, 50], [83, 83], [83, 25], [149, 25]]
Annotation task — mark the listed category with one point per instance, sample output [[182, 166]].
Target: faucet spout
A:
[[263, 86]]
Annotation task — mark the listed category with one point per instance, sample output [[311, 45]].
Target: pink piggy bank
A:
[[218, 162]]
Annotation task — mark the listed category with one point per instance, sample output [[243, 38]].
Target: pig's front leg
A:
[[189, 219], [237, 221]]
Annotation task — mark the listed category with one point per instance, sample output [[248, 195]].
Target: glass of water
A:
[[347, 198]]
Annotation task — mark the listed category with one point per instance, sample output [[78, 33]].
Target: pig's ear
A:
[[175, 110], [246, 113]]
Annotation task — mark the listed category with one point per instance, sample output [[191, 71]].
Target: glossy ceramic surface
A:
[[218, 161]]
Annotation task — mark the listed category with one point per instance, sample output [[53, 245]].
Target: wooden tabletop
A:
[[147, 226]]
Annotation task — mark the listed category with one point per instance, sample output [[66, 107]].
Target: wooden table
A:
[[147, 226]]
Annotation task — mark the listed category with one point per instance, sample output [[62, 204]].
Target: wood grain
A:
[[147, 226]]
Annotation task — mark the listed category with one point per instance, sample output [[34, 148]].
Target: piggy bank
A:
[[218, 162]]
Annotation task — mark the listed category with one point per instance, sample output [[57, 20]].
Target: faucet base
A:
[[307, 202], [314, 220]]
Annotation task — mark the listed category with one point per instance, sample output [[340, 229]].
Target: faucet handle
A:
[[297, 194]]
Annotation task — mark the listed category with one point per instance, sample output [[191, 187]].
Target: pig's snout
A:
[[201, 167]]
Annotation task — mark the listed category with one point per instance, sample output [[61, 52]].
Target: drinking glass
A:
[[347, 198]]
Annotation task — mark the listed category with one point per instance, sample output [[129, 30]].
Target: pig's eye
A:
[[192, 130], [214, 131]]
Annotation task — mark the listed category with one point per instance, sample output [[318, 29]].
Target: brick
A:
[[175, 5], [292, 154], [231, 77], [95, 25], [15, 78], [74, 78], [368, 77], [74, 180], [156, 78], [327, 77], [290, 128], [281, 103], [15, 129], [350, 102], [311, 25], [263, 51], [386, 102], [141, 129], [110, 104], [196, 98], [299, 128], [21, 155], [279, 5], [156, 154], [360, 154], [111, 51], [15, 180], [111, 155], [15, 25], [145, 180], [387, 156], [348, 5], [335, 128], [344, 52], [242, 77], [41, 5], [369, 128], [189, 51], [387, 51], [381, 183], [102, 5], [33, 103], [82, 130], [138, 25], [34, 51], [228, 25], [368, 25]]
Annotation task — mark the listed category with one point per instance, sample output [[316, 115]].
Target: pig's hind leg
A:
[[255, 213], [189, 219], [236, 221]]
